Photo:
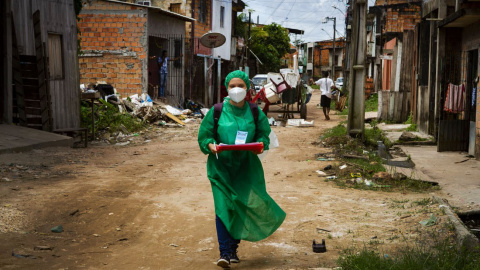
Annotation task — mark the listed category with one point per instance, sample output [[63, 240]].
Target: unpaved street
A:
[[149, 206]]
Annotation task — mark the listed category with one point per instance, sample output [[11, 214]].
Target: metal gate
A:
[[176, 47], [453, 129]]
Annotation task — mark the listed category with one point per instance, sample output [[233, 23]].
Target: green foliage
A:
[[442, 256], [107, 117], [371, 104], [270, 43], [409, 120], [373, 135], [336, 131], [412, 127], [241, 26]]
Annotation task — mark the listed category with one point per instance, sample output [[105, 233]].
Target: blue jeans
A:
[[226, 243], [163, 83]]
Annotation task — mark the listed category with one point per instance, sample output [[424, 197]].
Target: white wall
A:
[[224, 50]]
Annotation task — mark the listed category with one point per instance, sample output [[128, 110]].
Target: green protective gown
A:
[[238, 183]]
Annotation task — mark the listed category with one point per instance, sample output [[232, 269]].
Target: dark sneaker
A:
[[224, 262], [234, 258]]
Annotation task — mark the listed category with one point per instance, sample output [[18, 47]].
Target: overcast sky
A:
[[306, 15]]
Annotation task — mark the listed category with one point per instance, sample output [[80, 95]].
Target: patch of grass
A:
[[410, 119], [424, 202], [412, 127], [372, 136], [400, 201], [371, 104], [337, 131], [441, 255]]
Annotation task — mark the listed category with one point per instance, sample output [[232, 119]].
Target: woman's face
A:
[[236, 82]]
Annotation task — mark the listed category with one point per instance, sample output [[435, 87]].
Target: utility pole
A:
[[333, 56], [247, 68], [356, 87], [334, 19], [192, 48]]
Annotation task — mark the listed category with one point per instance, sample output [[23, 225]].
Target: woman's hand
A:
[[212, 148], [258, 152]]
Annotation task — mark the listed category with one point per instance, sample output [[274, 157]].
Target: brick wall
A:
[[325, 52], [400, 19], [114, 45]]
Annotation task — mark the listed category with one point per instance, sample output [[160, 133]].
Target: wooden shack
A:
[[39, 82]]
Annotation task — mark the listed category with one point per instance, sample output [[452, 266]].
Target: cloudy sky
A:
[[304, 15]]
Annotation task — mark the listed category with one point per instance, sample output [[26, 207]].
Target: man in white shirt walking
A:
[[326, 84]]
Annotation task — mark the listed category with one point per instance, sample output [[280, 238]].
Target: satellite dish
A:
[[213, 40]]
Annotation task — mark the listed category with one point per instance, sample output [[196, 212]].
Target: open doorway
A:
[[173, 46], [470, 97]]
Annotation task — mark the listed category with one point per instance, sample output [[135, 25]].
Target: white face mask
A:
[[237, 94]]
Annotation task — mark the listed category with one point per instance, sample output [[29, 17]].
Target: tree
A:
[[270, 43]]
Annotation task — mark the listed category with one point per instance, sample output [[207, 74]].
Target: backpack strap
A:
[[255, 113], [217, 112]]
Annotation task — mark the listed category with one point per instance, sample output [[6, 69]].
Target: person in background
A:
[[326, 84], [243, 208], [162, 62]]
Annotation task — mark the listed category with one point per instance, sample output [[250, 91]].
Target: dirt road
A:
[[149, 206]]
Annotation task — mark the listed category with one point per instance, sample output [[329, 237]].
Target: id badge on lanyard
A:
[[241, 137]]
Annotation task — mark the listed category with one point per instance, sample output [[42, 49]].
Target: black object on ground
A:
[[471, 220], [319, 248], [329, 167], [23, 255]]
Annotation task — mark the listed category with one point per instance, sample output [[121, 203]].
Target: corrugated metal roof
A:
[[158, 9]]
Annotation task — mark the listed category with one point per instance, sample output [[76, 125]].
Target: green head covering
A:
[[237, 74]]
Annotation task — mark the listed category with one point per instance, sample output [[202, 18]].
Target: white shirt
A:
[[325, 86]]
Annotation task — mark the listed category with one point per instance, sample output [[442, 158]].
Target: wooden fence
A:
[[394, 106]]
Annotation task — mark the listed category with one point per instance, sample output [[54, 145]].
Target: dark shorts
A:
[[325, 101]]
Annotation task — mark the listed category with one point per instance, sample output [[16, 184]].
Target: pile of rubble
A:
[[146, 109], [156, 112]]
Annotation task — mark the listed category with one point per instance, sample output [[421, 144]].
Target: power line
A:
[[275, 10]]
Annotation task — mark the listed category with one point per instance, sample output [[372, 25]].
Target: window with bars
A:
[[202, 11], [222, 16], [55, 56]]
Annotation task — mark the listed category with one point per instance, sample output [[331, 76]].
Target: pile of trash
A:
[[156, 112], [147, 110]]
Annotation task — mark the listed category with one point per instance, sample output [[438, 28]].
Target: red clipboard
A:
[[254, 147]]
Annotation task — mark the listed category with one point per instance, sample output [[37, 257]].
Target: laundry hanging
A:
[[474, 96], [454, 98]]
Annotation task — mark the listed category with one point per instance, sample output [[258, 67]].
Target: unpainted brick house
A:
[[117, 39]]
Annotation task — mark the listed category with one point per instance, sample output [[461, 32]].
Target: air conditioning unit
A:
[[144, 3]]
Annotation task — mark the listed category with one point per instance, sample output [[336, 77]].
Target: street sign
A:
[[212, 40]]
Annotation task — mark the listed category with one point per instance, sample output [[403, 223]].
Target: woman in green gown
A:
[[243, 208]]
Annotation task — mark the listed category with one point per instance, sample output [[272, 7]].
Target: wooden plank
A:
[[42, 79], [174, 118], [32, 104], [17, 79], [29, 74], [32, 59]]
